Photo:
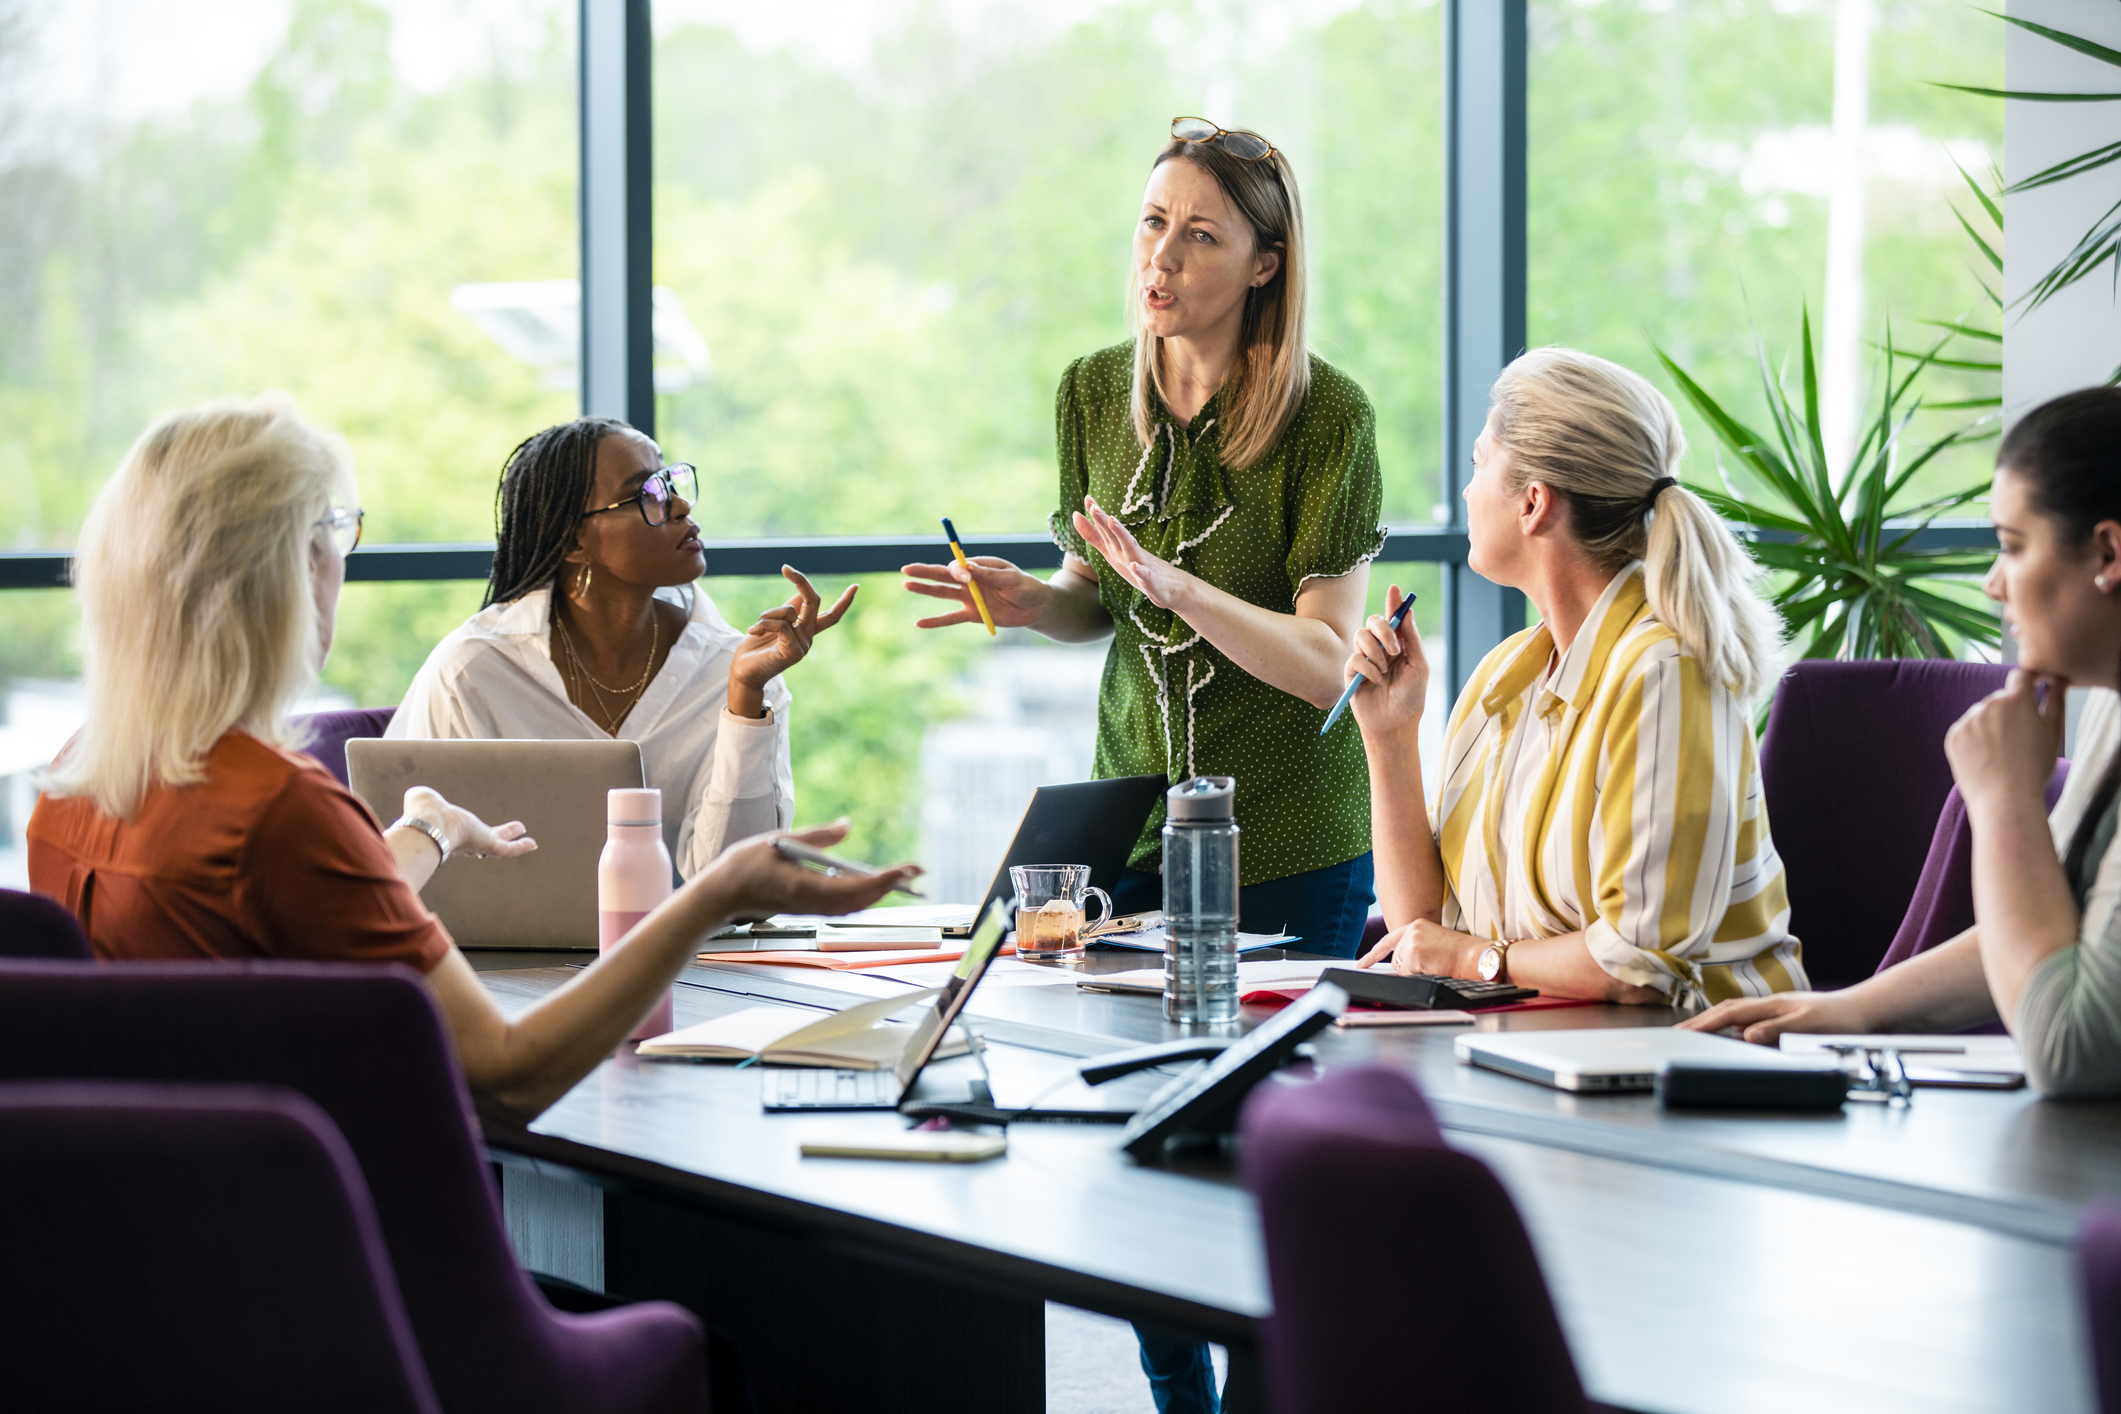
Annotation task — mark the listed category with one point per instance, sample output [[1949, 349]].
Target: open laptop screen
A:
[[979, 951]]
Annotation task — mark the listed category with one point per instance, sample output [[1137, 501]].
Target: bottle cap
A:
[[634, 807], [1202, 798]]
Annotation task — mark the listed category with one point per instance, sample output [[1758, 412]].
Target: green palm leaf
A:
[[1843, 570]]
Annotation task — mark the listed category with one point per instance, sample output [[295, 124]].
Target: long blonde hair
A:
[[194, 578], [1608, 443], [1271, 375]]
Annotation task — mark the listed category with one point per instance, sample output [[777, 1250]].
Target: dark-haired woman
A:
[[2045, 949], [592, 627], [1219, 499]]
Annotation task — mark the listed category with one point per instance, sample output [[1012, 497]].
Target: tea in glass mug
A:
[[1049, 909]]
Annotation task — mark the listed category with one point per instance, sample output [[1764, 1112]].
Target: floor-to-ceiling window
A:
[[1704, 172], [204, 198], [892, 226]]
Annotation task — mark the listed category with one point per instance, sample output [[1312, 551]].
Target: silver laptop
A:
[[1615, 1058], [544, 899]]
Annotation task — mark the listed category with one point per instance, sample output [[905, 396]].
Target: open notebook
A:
[[858, 1038]]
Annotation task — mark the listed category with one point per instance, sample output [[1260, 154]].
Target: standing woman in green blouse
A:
[[1219, 497]]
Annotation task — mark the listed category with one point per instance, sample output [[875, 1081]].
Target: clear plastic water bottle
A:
[[1200, 900]]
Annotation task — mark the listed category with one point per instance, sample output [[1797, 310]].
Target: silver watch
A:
[[428, 828]]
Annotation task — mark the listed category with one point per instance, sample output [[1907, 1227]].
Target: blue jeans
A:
[[1325, 909]]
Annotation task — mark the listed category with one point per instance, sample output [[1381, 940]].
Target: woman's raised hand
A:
[[781, 639], [1016, 599], [468, 835], [1160, 580], [2008, 741], [1397, 669], [756, 881]]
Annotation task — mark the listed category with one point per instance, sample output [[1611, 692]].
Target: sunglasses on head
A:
[[1244, 146]]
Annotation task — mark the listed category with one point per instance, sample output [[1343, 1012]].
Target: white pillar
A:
[[1842, 375]]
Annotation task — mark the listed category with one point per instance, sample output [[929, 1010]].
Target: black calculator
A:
[[1380, 987]]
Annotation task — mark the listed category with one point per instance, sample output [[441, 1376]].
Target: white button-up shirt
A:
[[723, 777]]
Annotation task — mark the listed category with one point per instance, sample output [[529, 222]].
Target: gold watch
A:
[[1494, 963]]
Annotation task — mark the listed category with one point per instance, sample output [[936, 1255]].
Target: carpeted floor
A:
[[1093, 1366]]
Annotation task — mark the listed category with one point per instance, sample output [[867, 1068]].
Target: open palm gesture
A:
[[782, 636], [1160, 580]]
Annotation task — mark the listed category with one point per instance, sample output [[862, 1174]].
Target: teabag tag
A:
[[1058, 905]]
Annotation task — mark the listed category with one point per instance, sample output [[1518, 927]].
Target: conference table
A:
[[1886, 1258]]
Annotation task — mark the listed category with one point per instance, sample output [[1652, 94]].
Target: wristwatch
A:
[[428, 828], [1495, 962]]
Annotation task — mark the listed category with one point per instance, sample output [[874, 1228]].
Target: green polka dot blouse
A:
[[1171, 703]]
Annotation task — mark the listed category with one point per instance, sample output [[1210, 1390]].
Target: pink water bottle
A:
[[633, 876]]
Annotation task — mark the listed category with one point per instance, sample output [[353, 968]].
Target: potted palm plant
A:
[[1852, 575]]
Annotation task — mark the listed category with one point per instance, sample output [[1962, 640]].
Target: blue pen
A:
[[1399, 616]]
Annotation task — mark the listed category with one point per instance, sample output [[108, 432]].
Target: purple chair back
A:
[[32, 925], [193, 1247], [1854, 773], [2099, 1272], [330, 731], [1943, 906], [1498, 1345], [367, 1044]]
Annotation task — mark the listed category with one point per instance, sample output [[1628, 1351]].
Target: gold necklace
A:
[[631, 696], [655, 641]]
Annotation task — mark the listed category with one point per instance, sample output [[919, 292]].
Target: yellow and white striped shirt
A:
[[1617, 794]]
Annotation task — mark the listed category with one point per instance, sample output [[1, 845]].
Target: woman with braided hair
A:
[[593, 627]]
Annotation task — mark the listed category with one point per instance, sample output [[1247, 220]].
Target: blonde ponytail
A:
[[1609, 444]]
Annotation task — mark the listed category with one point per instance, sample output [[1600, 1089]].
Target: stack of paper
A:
[[1154, 940], [1149, 981]]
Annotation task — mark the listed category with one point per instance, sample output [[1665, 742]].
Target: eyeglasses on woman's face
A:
[[1244, 146], [345, 527], [678, 481]]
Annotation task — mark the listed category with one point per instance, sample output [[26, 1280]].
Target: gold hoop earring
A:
[[581, 584]]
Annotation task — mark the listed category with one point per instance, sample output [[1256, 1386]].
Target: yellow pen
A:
[[979, 600]]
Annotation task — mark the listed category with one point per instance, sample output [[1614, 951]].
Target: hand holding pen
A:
[[985, 588], [1388, 655]]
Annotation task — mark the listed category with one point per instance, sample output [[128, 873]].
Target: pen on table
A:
[[796, 852], [1347, 695], [979, 600]]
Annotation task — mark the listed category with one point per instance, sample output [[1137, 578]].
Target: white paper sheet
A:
[[1987, 1054]]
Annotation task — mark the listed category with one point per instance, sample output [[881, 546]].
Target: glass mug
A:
[[1049, 909]]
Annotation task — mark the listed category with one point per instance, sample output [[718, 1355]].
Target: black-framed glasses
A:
[[678, 481], [1244, 146], [344, 526]]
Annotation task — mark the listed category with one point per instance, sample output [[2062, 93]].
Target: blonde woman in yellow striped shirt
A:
[[1600, 831]]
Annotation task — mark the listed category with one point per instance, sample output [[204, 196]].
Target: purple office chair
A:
[[1491, 1325], [32, 925], [2099, 1271], [1943, 905], [330, 731], [367, 1044], [1854, 773], [193, 1247]]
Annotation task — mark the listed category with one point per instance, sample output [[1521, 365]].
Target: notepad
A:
[[1149, 981], [1947, 1061], [842, 961], [861, 1037]]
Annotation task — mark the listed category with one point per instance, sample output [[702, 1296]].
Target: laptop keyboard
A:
[[809, 1089]]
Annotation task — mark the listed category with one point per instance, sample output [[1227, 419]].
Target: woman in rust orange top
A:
[[183, 823]]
